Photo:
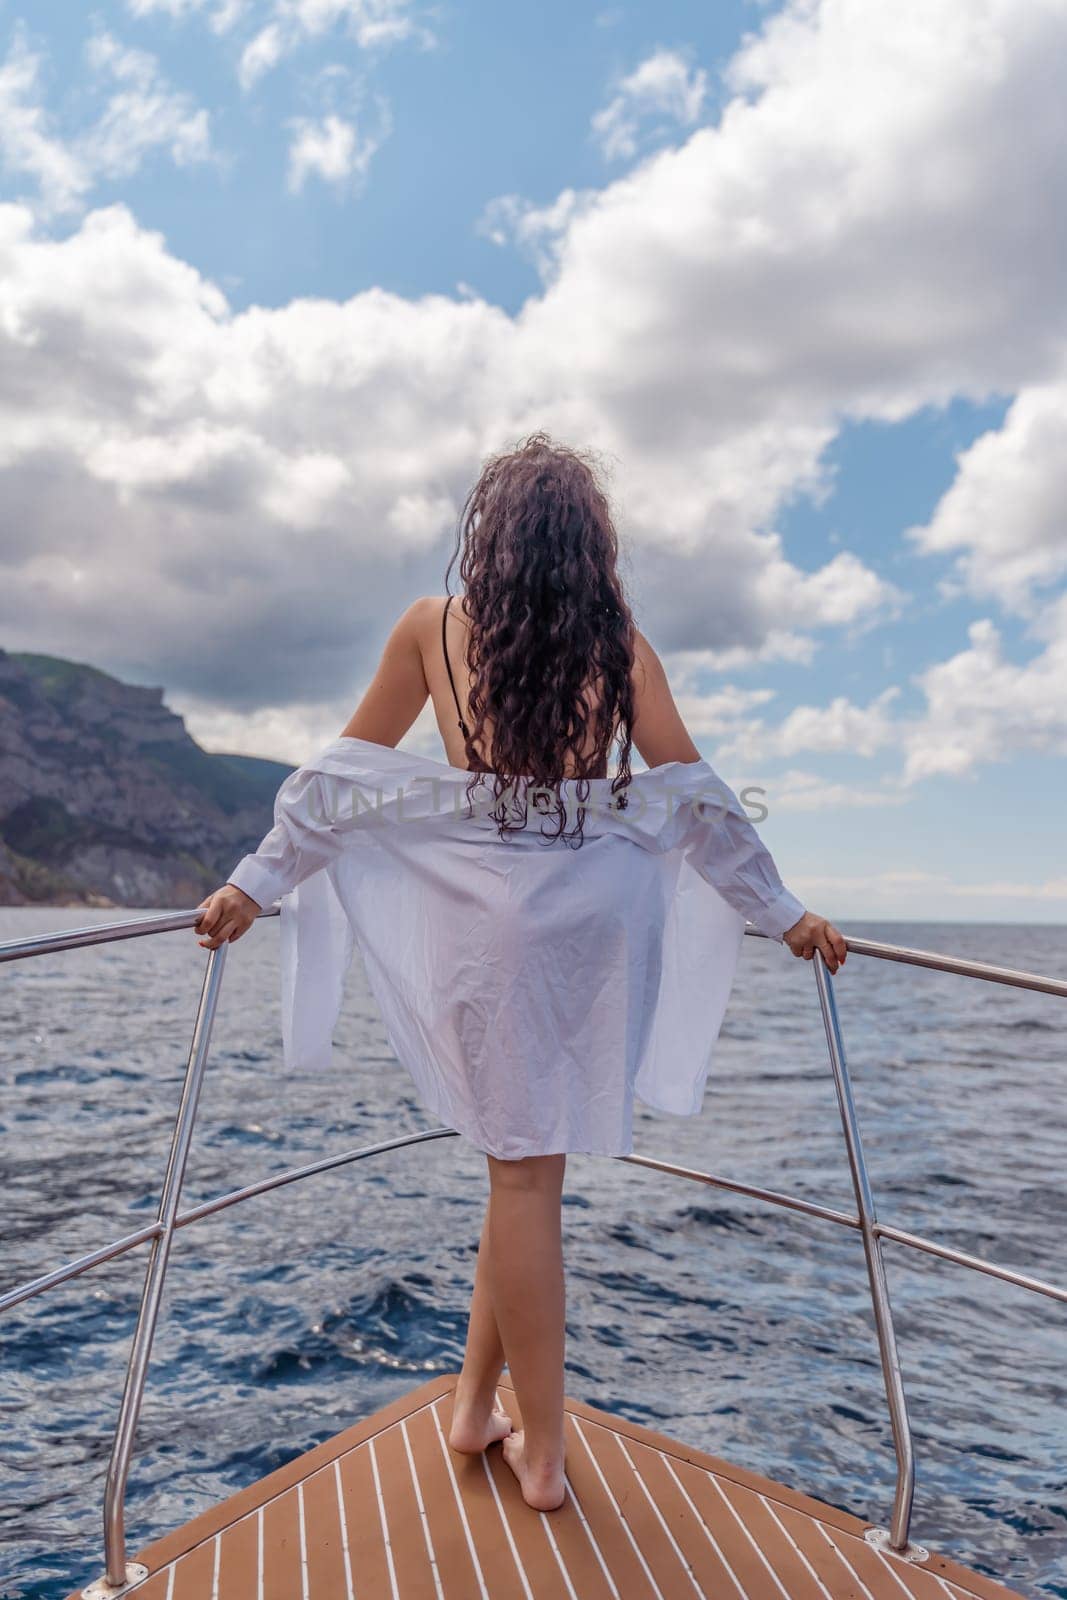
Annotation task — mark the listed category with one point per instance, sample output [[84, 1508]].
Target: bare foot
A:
[[542, 1488], [474, 1429]]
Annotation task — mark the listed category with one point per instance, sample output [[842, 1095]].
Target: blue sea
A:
[[737, 1327]]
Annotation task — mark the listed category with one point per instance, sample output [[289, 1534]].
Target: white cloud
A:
[[711, 713], [1048, 889], [981, 707], [275, 449], [226, 14], [1006, 512], [28, 146], [420, 519], [664, 92], [730, 715], [291, 732], [372, 24], [141, 113], [170, 8], [329, 148], [849, 240], [536, 231], [921, 894], [221, 14], [261, 53], [810, 791], [1003, 519], [843, 591], [842, 727]]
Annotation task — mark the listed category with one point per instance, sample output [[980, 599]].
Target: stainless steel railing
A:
[[119, 1573]]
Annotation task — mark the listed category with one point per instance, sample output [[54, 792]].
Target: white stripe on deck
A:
[[728, 1503], [550, 1536], [796, 1547], [343, 1517], [257, 1512], [459, 1503], [853, 1574], [546, 1525], [303, 1542], [838, 1539], [622, 1520], [734, 1579], [675, 1546], [583, 1519], [383, 1519], [887, 1564], [427, 1536], [887, 1560], [507, 1529], [897, 1579], [586, 1529]]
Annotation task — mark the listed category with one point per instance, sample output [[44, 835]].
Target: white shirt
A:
[[531, 989]]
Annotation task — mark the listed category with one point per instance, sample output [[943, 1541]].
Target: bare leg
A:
[[526, 1280], [476, 1421]]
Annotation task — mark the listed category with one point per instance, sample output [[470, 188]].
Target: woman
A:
[[537, 671]]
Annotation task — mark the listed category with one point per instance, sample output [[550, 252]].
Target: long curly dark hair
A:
[[550, 625]]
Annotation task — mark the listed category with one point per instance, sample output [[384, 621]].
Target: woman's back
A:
[[442, 629], [448, 680]]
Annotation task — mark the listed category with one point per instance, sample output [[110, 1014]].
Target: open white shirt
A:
[[531, 988]]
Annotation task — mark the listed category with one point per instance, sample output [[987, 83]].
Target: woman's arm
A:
[[735, 860], [658, 730], [398, 690], [305, 836], [396, 695]]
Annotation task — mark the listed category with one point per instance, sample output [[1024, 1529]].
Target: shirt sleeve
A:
[[723, 846], [307, 834]]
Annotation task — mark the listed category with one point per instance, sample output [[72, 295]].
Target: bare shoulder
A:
[[648, 668], [429, 608], [416, 620], [419, 626], [658, 729], [427, 605]]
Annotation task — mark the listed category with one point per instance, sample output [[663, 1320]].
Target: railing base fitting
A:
[[881, 1538], [100, 1589]]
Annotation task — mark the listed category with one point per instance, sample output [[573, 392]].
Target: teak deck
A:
[[386, 1511]]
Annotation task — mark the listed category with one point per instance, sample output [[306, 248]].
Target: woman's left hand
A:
[[813, 933], [228, 913]]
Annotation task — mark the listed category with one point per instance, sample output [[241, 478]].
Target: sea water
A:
[[739, 1328]]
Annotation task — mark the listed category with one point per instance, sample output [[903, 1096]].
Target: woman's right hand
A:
[[813, 933], [228, 913]]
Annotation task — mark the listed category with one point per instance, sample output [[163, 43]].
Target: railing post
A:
[[118, 1574], [897, 1536]]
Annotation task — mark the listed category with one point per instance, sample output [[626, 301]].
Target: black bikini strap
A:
[[448, 664]]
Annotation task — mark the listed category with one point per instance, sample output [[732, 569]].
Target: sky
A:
[[276, 276]]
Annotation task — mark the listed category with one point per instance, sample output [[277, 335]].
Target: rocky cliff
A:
[[105, 799]]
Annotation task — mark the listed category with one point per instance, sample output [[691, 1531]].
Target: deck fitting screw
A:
[[880, 1538], [100, 1589]]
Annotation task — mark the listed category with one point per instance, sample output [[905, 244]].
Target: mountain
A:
[[105, 799]]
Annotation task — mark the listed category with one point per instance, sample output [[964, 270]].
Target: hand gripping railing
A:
[[119, 1573]]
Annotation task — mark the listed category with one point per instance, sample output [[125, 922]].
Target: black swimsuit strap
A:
[[448, 664]]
